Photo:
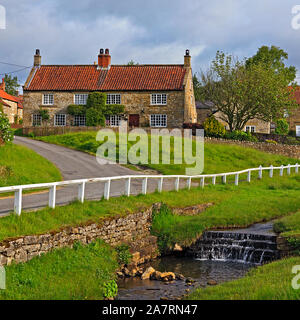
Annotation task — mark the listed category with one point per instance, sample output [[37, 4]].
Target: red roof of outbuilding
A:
[[6, 96], [120, 78]]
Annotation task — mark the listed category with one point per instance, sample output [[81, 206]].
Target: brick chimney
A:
[[2, 85], [187, 59], [37, 58], [104, 59]]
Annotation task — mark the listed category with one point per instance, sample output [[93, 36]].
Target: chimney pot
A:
[[187, 59], [104, 59]]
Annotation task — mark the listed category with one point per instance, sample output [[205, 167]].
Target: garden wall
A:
[[292, 151], [134, 228]]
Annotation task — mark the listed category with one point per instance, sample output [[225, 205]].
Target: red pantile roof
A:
[[6, 96], [4, 103], [117, 78]]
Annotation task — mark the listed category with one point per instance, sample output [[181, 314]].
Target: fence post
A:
[[260, 172], [236, 182], [271, 171], [249, 176], [18, 202], [297, 168], [127, 187], [224, 178], [289, 169], [144, 186], [107, 190], [160, 184], [81, 190], [202, 182], [281, 171], [189, 182], [52, 197], [214, 180], [177, 184]]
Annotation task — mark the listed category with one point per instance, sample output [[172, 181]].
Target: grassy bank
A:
[[218, 158], [233, 206], [20, 165], [268, 282], [80, 273]]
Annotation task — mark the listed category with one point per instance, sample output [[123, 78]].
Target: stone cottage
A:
[[12, 105], [153, 95], [294, 118], [206, 109]]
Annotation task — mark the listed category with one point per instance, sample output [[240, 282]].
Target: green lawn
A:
[[269, 282], [79, 273], [233, 206], [218, 158], [20, 165]]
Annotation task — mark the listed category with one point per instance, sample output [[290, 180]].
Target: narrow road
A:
[[75, 165]]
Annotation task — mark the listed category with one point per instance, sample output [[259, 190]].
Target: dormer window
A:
[[48, 99], [158, 99]]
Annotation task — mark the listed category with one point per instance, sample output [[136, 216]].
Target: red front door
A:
[[134, 120]]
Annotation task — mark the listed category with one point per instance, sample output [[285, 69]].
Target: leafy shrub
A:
[[241, 136], [44, 113], [292, 140], [96, 100], [94, 117], [76, 110], [213, 128], [110, 289], [282, 127], [21, 121], [124, 255], [6, 134]]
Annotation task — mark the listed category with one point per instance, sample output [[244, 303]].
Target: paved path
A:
[[75, 165]]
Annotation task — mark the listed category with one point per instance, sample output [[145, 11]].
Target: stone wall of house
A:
[[132, 229], [11, 111], [135, 103], [292, 151], [190, 113], [294, 119]]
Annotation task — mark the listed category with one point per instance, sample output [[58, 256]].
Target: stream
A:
[[216, 257]]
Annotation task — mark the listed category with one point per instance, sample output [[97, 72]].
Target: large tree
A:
[[274, 58], [244, 92], [11, 84]]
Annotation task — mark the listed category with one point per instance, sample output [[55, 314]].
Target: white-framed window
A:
[[36, 119], [60, 120], [158, 99], [250, 129], [113, 98], [297, 131], [158, 120], [48, 99], [286, 114], [114, 121], [79, 121], [80, 99]]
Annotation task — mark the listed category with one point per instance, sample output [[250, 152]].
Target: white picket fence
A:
[[18, 190]]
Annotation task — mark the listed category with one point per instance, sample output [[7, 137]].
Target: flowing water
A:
[[218, 255]]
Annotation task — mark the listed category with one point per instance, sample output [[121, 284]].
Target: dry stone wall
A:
[[133, 228]]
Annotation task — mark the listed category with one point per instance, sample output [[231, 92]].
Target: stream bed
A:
[[200, 271]]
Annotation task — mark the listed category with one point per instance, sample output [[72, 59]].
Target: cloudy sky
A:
[[156, 31]]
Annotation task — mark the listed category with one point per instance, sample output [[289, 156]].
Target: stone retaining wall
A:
[[292, 151], [134, 228]]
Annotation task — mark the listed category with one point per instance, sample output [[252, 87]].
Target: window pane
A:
[[113, 99], [79, 121], [36, 119], [158, 120], [60, 120]]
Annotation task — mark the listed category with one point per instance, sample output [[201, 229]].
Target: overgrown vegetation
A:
[[6, 134], [20, 165], [82, 273]]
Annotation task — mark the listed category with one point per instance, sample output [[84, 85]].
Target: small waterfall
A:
[[234, 246]]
